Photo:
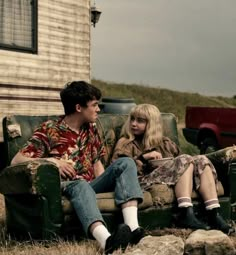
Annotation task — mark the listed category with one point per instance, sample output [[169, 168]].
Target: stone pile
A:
[[199, 242]]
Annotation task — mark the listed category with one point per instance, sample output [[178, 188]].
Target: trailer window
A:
[[18, 25]]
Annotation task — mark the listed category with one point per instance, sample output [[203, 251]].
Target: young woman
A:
[[142, 139]]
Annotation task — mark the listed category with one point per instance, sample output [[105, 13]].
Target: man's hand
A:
[[66, 169], [98, 168]]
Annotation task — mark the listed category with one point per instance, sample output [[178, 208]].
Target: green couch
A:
[[36, 208]]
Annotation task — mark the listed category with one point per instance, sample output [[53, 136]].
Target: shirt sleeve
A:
[[98, 149], [126, 148], [38, 145], [122, 148], [170, 147]]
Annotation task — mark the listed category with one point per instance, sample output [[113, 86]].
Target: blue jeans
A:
[[120, 177]]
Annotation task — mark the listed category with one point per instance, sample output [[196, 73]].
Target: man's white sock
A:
[[130, 215], [100, 233]]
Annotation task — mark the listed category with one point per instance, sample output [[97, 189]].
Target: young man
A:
[[72, 142]]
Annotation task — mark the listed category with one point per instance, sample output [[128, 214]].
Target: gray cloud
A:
[[182, 45]]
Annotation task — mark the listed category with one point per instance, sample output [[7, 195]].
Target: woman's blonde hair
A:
[[153, 133]]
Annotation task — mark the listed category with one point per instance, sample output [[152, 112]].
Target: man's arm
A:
[[65, 169], [98, 168], [20, 158]]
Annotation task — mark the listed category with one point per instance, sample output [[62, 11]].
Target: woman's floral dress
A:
[[169, 169]]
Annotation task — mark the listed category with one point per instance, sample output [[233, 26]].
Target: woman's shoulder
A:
[[166, 139], [168, 142], [123, 141], [123, 147], [171, 146], [124, 144]]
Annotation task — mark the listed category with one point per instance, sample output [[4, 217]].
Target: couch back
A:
[[17, 129]]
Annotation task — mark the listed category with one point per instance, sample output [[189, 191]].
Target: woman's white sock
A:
[[212, 203], [184, 201]]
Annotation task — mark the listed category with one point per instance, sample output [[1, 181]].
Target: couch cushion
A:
[[106, 203], [164, 194], [158, 194]]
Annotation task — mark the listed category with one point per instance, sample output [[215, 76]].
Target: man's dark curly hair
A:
[[78, 92]]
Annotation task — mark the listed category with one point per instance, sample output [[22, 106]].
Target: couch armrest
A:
[[221, 160], [40, 178], [27, 177]]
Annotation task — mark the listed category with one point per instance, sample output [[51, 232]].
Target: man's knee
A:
[[126, 162], [79, 187], [125, 165]]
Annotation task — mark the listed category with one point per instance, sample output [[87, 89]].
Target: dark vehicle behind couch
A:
[[210, 128]]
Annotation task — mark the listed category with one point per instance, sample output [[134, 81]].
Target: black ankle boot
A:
[[216, 221], [187, 219]]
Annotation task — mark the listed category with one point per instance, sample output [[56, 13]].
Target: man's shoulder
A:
[[51, 123]]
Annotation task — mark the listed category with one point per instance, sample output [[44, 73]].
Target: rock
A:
[[212, 242], [158, 245]]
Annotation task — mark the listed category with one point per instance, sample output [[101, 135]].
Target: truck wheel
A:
[[208, 145]]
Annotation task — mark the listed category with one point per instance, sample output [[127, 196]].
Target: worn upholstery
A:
[[32, 189]]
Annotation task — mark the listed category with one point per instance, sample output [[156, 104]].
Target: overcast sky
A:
[[184, 45]]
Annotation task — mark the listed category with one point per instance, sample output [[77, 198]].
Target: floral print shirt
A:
[[54, 138]]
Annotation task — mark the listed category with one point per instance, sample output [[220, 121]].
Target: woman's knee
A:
[[190, 169], [203, 158]]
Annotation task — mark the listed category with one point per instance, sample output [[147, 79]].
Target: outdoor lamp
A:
[[95, 15]]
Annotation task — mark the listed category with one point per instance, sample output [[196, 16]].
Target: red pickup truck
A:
[[210, 128]]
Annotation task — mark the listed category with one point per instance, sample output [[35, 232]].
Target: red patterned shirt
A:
[[54, 138]]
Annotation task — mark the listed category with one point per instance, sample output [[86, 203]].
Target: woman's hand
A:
[[152, 155]]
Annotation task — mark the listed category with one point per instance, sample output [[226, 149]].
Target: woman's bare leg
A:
[[183, 191], [207, 187], [184, 186], [209, 194]]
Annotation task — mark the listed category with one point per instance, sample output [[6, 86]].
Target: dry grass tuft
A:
[[55, 247]]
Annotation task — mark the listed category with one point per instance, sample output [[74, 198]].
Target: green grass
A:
[[166, 100]]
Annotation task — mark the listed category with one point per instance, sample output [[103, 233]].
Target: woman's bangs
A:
[[140, 113]]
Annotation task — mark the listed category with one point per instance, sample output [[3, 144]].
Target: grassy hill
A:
[[166, 100]]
